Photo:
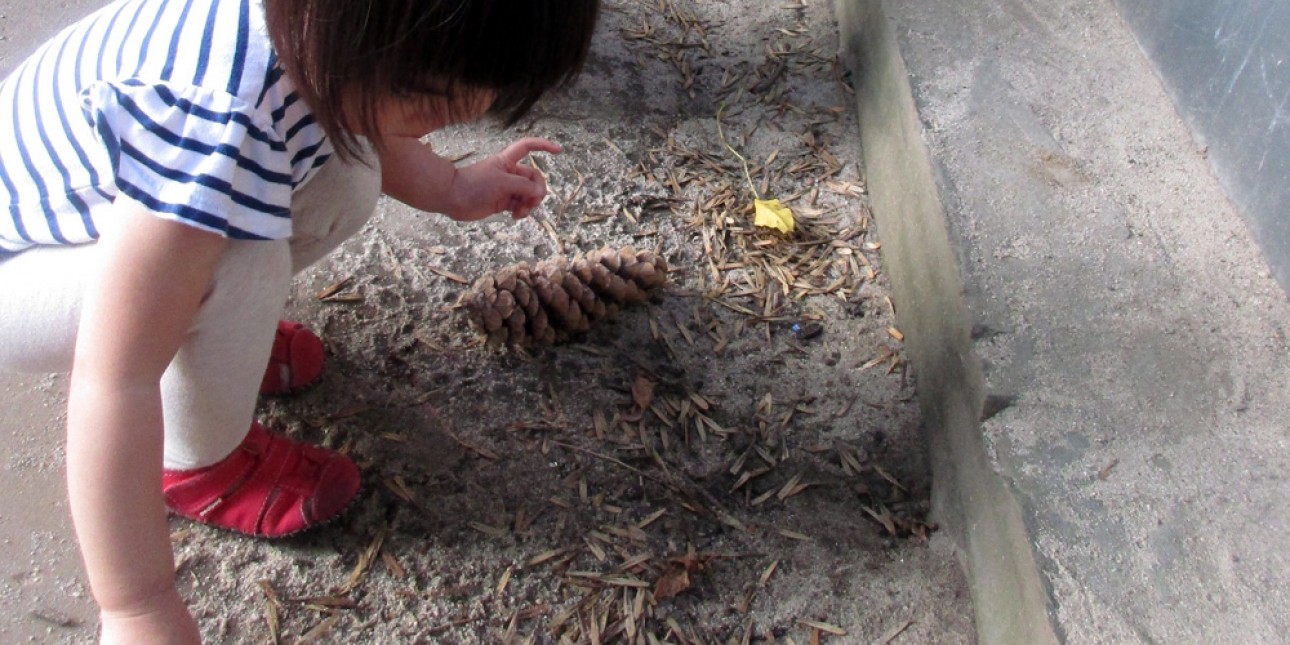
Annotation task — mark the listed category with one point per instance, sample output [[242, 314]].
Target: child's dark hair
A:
[[347, 55]]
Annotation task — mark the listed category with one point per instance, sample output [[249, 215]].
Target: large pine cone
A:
[[547, 303]]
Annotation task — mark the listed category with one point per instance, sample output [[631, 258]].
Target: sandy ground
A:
[[773, 489]]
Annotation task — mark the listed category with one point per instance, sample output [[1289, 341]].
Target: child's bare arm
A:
[[153, 275], [412, 173]]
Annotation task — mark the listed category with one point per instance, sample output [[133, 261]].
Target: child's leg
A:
[[209, 391], [332, 207], [40, 307], [220, 468]]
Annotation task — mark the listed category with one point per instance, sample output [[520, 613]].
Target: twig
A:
[[893, 633], [721, 133]]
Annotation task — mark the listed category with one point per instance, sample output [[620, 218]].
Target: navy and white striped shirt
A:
[[177, 104]]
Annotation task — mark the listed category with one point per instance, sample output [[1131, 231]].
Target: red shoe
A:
[[295, 361], [270, 487]]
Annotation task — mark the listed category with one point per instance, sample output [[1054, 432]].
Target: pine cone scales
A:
[[549, 302]]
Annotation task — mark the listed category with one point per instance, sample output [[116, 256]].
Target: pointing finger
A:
[[522, 148]]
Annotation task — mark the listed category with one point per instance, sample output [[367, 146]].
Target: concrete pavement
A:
[[1057, 239]]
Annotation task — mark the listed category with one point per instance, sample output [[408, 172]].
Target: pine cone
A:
[[548, 303]]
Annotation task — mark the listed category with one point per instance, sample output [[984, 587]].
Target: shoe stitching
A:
[[269, 499]]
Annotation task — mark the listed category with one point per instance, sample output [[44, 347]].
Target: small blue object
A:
[[807, 330]]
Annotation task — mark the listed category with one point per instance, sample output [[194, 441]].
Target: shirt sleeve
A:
[[194, 155]]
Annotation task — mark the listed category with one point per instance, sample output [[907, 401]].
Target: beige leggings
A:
[[210, 389]]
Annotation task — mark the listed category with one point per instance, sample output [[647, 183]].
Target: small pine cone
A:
[[545, 304]]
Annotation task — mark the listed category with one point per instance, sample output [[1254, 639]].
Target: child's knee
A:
[[333, 207], [251, 283], [41, 291]]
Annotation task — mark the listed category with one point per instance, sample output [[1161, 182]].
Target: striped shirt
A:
[[177, 104]]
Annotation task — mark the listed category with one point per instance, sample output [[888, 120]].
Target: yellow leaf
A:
[[772, 214]]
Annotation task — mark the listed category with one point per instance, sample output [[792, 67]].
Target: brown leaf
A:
[[642, 392], [672, 584]]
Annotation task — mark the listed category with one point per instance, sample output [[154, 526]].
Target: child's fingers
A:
[[528, 184], [515, 190], [538, 144], [522, 203], [530, 173], [521, 207], [522, 148]]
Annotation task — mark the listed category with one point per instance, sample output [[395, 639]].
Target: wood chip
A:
[[653, 517], [731, 521], [271, 608], [504, 581], [789, 488], [344, 298], [824, 627], [748, 476], [509, 636], [699, 401], [492, 531], [365, 560], [319, 632], [400, 489], [392, 565], [642, 392], [770, 571], [631, 533], [54, 617], [893, 633], [1105, 473], [473, 447], [329, 603], [883, 518], [612, 581], [849, 461], [333, 289], [600, 425], [672, 584], [544, 557], [596, 549], [635, 561], [887, 476]]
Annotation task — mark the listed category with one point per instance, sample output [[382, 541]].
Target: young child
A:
[[167, 166]]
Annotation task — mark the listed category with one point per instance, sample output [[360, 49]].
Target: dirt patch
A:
[[771, 486]]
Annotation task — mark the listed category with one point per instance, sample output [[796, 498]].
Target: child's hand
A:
[[500, 183]]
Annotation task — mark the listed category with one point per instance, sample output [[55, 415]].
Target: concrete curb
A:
[[969, 499]]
